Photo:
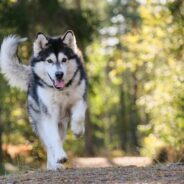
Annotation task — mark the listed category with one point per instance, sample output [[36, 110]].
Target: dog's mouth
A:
[[58, 84]]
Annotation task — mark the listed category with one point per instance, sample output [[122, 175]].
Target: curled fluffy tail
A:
[[14, 71]]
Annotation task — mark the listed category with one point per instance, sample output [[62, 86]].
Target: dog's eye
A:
[[64, 60], [49, 61]]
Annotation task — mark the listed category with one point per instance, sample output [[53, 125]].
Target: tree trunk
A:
[[78, 4], [134, 118], [123, 120]]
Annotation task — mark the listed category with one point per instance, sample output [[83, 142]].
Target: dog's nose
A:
[[59, 75]]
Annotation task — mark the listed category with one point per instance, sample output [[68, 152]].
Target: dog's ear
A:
[[39, 43], [69, 39]]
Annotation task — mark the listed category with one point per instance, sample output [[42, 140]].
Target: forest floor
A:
[[151, 174]]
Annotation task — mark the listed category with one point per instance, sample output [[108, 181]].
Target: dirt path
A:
[[173, 173], [96, 162]]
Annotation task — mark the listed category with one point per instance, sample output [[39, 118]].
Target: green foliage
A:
[[163, 97], [145, 73]]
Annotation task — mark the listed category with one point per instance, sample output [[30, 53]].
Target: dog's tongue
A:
[[59, 84]]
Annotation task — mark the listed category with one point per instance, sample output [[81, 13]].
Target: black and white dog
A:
[[56, 84]]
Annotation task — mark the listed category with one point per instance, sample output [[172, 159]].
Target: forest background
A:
[[134, 56]]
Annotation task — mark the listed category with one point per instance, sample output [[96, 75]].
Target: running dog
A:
[[56, 85]]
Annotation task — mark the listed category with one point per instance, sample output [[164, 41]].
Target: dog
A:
[[56, 84]]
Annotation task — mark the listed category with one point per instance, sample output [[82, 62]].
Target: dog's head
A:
[[54, 59]]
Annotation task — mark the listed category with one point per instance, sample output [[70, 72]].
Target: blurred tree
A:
[[150, 65], [125, 18], [142, 40]]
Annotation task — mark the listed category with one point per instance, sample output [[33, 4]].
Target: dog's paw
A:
[[62, 160], [56, 160], [55, 167], [78, 130], [60, 157]]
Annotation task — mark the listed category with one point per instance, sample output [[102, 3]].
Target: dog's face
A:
[[54, 59]]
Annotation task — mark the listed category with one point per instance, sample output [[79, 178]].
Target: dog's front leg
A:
[[78, 118], [49, 135]]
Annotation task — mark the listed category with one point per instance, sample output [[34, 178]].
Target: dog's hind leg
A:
[[63, 125], [49, 134]]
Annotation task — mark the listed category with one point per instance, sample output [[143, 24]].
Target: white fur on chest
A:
[[56, 100]]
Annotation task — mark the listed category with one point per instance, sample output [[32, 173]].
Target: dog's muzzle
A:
[[58, 83]]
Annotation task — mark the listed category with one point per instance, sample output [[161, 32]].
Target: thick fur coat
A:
[[56, 85]]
